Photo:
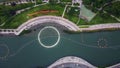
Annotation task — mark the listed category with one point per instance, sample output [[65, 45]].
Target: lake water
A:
[[25, 51]]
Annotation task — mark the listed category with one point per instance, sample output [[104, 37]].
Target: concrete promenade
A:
[[39, 20], [71, 59], [114, 66], [101, 27], [59, 20]]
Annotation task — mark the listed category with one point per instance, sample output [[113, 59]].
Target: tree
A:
[[113, 9], [13, 4]]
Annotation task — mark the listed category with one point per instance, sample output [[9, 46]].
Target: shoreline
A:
[[72, 28], [101, 27], [97, 28], [39, 20]]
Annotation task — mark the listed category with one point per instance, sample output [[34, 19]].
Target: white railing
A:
[[42, 19]]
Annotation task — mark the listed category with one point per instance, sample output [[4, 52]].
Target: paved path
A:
[[59, 20], [39, 20], [64, 11], [101, 26], [112, 16], [107, 4], [19, 11]]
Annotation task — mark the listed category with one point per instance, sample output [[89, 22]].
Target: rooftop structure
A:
[[76, 1], [71, 62], [46, 1]]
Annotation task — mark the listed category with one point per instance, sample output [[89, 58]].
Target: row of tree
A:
[[7, 12], [96, 3], [114, 9], [111, 6]]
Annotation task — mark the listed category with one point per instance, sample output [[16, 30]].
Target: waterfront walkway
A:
[[39, 20], [59, 20], [101, 27]]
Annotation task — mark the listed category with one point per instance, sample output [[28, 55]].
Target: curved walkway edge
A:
[[59, 20], [39, 20], [101, 27]]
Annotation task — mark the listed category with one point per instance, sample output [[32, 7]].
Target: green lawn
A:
[[66, 0], [7, 12], [114, 9], [23, 17], [100, 18], [72, 14]]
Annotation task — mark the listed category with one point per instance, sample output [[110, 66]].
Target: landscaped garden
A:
[[113, 9], [66, 0], [10, 20], [99, 6], [73, 15], [31, 13], [7, 12], [94, 6]]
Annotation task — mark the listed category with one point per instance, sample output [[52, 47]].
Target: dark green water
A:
[[99, 49], [3, 0]]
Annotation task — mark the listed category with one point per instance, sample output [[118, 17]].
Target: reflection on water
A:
[[99, 49]]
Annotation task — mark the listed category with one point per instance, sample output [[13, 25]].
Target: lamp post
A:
[[35, 2], [80, 5], [80, 8]]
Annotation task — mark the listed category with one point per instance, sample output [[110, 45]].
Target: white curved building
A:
[[71, 62]]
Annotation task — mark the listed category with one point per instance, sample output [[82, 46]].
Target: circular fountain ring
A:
[[58, 39]]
